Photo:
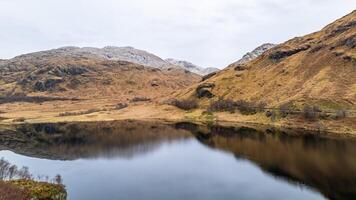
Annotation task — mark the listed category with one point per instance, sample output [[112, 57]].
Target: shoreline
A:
[[27, 113]]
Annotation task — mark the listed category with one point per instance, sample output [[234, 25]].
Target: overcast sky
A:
[[210, 33]]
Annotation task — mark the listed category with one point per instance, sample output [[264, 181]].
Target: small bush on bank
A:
[[21, 119], [311, 112], [261, 106], [86, 112], [222, 105], [246, 108], [340, 114], [286, 109], [185, 104]]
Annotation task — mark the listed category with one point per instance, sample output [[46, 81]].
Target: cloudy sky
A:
[[210, 33]]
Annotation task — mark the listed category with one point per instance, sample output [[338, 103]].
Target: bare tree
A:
[[58, 179], [12, 172], [4, 168]]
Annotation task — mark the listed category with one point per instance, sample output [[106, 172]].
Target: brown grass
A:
[[299, 75], [10, 192]]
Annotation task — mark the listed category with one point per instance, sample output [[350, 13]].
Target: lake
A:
[[141, 160]]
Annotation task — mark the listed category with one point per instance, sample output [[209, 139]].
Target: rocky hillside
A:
[[191, 67], [73, 73], [128, 54], [319, 68], [256, 52]]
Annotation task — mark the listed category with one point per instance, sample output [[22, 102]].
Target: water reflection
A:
[[326, 165], [70, 141]]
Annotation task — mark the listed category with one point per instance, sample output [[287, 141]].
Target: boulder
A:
[[204, 90]]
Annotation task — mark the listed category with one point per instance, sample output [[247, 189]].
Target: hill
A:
[[317, 69], [74, 73]]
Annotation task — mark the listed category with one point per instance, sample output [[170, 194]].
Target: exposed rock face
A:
[[192, 67], [255, 53], [283, 54], [204, 90]]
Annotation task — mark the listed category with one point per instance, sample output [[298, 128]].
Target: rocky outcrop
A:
[[205, 90], [286, 53], [47, 85]]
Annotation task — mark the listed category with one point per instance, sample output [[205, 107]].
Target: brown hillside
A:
[[318, 68], [86, 76]]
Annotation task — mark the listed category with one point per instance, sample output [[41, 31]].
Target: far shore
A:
[[84, 111]]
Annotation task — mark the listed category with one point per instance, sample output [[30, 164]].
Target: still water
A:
[[140, 161]]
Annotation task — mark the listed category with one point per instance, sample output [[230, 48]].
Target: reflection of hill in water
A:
[[324, 164], [88, 140]]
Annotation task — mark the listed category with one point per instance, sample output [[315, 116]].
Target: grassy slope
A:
[[323, 74], [89, 78]]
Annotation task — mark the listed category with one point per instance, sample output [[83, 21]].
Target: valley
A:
[[248, 100], [277, 85]]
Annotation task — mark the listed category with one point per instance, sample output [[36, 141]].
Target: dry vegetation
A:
[[317, 69], [309, 80], [10, 192], [56, 77], [20, 184]]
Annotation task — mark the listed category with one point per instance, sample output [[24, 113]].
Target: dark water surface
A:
[[140, 161]]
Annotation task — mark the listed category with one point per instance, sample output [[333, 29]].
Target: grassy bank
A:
[[29, 189], [106, 110]]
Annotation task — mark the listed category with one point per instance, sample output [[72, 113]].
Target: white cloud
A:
[[209, 33]]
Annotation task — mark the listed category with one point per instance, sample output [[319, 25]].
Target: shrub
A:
[[261, 106], [340, 114], [21, 119], [268, 113], [311, 112], [222, 105], [185, 104], [246, 107], [86, 112], [286, 109], [138, 99], [271, 114]]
